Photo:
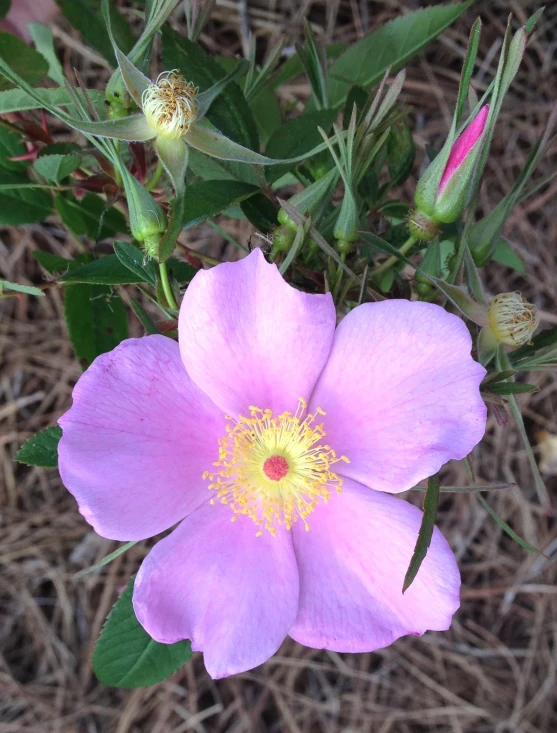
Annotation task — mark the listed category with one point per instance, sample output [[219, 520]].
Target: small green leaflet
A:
[[17, 288], [41, 449], [133, 259], [426, 531], [148, 324], [389, 47], [85, 16], [107, 270], [23, 59], [126, 656], [206, 199], [56, 167], [96, 319]]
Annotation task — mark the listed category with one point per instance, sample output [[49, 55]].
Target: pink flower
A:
[[147, 444], [464, 146]]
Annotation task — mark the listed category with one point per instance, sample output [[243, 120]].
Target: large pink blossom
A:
[[231, 425]]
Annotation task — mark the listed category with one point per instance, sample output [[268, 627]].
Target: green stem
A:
[[339, 274], [166, 287], [155, 178], [503, 363], [406, 247]]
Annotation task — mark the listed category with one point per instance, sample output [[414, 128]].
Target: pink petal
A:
[[137, 440], [233, 594], [248, 338], [463, 145], [400, 392], [352, 564]]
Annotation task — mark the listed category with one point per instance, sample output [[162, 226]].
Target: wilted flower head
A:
[[513, 319], [266, 415], [169, 105]]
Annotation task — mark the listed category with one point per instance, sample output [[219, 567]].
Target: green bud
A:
[[283, 237], [147, 219], [347, 225], [312, 200]]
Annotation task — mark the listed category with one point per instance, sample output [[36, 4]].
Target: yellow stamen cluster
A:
[[248, 482], [513, 319], [169, 105]]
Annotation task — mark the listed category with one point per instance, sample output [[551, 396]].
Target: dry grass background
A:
[[494, 671]]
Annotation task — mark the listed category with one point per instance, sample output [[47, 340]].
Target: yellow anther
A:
[[275, 470]]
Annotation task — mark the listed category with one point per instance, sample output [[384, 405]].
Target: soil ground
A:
[[495, 670]]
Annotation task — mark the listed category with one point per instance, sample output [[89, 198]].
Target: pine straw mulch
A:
[[495, 670]]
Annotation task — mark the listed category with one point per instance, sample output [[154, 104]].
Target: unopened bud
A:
[[283, 237], [444, 193], [169, 105], [147, 219], [512, 319]]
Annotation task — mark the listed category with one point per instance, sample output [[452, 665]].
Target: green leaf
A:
[[96, 319], [507, 388], [136, 261], [206, 199], [10, 147], [230, 112], [505, 255], [426, 531], [23, 59], [44, 43], [505, 527], [296, 137], [16, 100], [542, 340], [21, 205], [85, 16], [260, 211], [148, 323], [389, 47], [126, 656], [89, 216], [57, 167], [17, 288], [4, 8], [41, 449], [108, 270], [52, 263]]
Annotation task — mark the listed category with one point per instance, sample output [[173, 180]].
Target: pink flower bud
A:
[[445, 189], [463, 146]]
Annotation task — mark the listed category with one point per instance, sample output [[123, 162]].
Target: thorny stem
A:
[[406, 247], [166, 286], [503, 364]]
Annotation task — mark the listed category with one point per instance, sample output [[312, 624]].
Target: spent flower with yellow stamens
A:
[[169, 105], [512, 319]]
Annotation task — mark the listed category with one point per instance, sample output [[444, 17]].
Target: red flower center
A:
[[275, 468]]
